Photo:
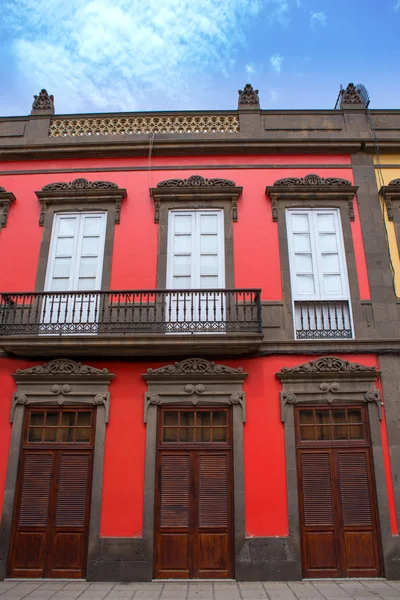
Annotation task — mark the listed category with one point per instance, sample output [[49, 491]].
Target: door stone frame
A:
[[326, 381], [193, 382], [60, 382]]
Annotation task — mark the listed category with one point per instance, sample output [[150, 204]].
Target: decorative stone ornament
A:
[[82, 191], [62, 382], [248, 96], [391, 193], [351, 95], [328, 380], [312, 179], [195, 187], [304, 190], [62, 366], [79, 184], [327, 364], [43, 102], [194, 366], [196, 181], [6, 199], [195, 381]]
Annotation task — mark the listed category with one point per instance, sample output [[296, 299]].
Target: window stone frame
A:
[[6, 199], [60, 382], [195, 193], [78, 196], [314, 192], [331, 381], [194, 382], [391, 196]]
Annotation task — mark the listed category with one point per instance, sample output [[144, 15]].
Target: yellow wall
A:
[[383, 177]]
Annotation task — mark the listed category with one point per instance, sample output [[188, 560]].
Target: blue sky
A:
[[140, 55]]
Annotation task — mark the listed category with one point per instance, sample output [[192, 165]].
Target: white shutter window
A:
[[75, 265], [196, 257], [76, 252], [195, 261], [318, 274]]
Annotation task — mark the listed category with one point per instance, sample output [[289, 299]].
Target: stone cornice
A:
[[311, 187], [80, 191]]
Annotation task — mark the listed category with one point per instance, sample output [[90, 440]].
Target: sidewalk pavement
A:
[[198, 590]]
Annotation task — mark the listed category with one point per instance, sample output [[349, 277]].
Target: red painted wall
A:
[[265, 469], [256, 249]]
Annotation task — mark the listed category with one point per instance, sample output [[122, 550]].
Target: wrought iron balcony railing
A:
[[123, 312], [322, 320]]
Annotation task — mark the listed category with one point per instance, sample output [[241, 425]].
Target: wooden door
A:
[[51, 517], [193, 508], [339, 526]]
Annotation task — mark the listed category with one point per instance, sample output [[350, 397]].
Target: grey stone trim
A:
[[390, 366], [181, 193], [195, 201], [216, 385], [70, 383], [75, 204], [311, 201], [6, 199], [109, 168], [343, 383], [311, 188], [82, 192]]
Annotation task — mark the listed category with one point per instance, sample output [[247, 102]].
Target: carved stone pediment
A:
[[391, 193], [329, 380], [62, 367], [327, 364], [309, 188], [195, 187], [62, 382], [6, 199], [312, 179], [195, 382], [79, 184], [82, 191], [196, 181], [195, 366]]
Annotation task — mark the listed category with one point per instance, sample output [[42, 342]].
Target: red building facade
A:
[[150, 429]]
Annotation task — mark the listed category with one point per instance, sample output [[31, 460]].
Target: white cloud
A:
[[278, 11], [274, 95], [117, 54], [250, 69], [317, 20], [396, 5], [276, 61]]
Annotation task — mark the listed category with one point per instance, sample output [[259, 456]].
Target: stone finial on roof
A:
[[248, 96], [351, 95], [43, 101]]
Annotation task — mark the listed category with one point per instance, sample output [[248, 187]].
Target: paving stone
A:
[[123, 587], [126, 595], [278, 591], [305, 590], [330, 590], [6, 585]]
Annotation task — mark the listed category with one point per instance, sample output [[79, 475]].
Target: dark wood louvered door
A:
[[51, 516], [339, 525], [193, 507]]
